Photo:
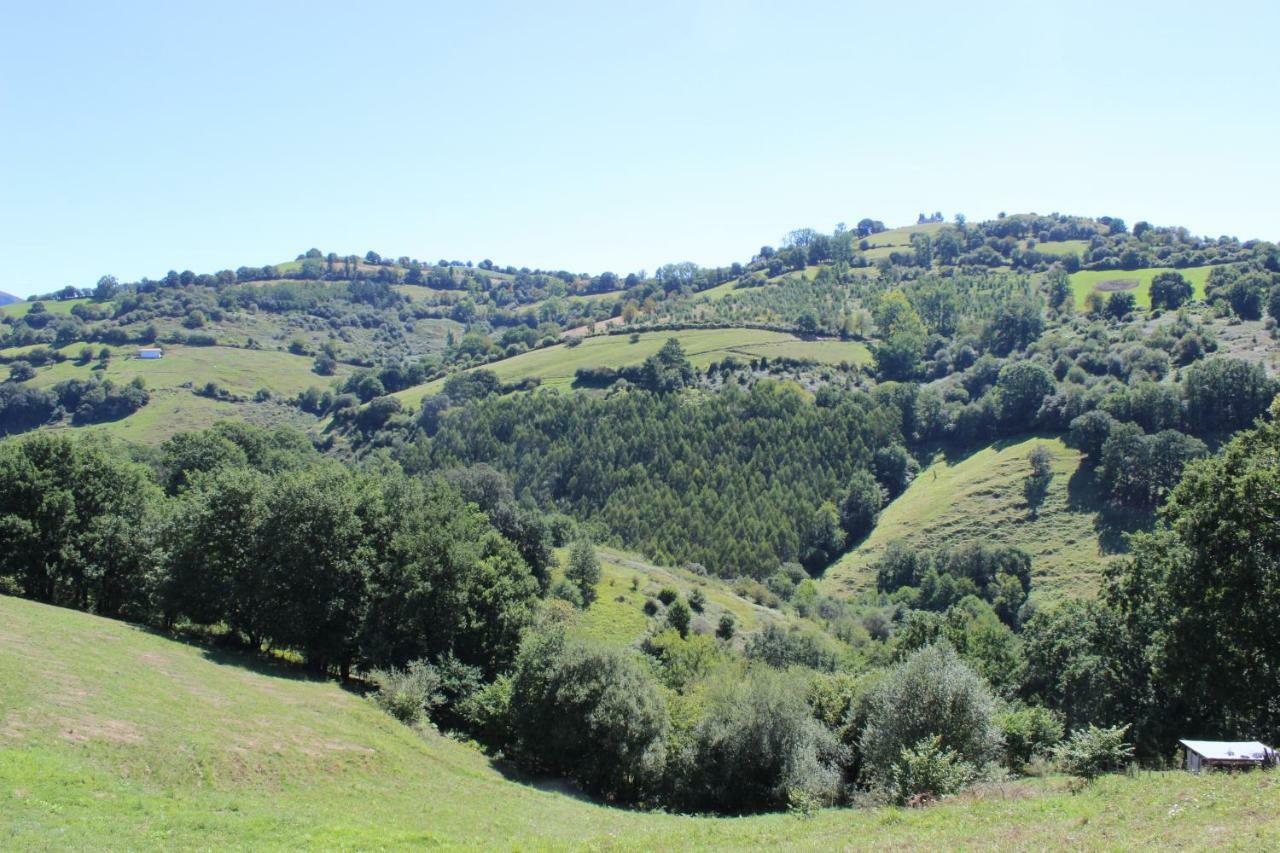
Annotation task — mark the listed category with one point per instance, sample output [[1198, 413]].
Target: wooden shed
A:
[[1231, 754]]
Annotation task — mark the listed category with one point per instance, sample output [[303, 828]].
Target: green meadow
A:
[[556, 365], [1137, 282], [172, 381], [113, 737]]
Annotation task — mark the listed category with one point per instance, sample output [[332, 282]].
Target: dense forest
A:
[[434, 533]]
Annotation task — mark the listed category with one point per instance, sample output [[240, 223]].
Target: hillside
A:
[[7, 298], [979, 497], [556, 365], [199, 749]]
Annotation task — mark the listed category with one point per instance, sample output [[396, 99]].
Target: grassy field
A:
[[901, 236], [173, 407], [1086, 281], [112, 737], [556, 365], [1062, 247], [53, 306], [980, 497]]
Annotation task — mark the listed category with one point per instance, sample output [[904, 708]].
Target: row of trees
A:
[[255, 533]]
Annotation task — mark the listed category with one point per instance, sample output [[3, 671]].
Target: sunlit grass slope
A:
[[114, 738], [173, 379], [627, 581], [980, 497], [557, 364]]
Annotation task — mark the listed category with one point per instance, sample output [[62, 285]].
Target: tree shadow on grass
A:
[[1113, 523], [224, 650], [548, 784]]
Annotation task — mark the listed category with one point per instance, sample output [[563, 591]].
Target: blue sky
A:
[[593, 136]]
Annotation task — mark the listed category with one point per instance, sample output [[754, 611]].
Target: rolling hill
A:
[[199, 749], [7, 298]]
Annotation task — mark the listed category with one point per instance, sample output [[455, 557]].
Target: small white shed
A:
[[1201, 754]]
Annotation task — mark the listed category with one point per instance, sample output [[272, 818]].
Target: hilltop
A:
[[200, 748]]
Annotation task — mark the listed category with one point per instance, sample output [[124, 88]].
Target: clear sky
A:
[[140, 137]]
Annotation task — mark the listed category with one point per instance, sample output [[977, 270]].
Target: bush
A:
[[407, 694], [928, 771], [933, 693], [667, 595], [1092, 751], [758, 746], [593, 714], [1029, 732]]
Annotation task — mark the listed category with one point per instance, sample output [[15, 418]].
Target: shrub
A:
[[594, 714], [667, 595], [584, 570], [697, 600], [408, 694], [1029, 732], [727, 627], [933, 693], [758, 746], [679, 617], [781, 648], [928, 771], [1092, 751]]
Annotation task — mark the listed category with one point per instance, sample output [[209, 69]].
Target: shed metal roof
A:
[[1228, 750]]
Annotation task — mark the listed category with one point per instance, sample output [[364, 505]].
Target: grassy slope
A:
[[53, 306], [111, 737], [617, 616], [1083, 282], [173, 408], [557, 364], [980, 497]]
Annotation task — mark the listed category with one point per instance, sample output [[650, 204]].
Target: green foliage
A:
[[861, 506], [671, 479], [679, 617], [782, 648], [757, 747], [1170, 290], [927, 771], [1092, 751], [584, 569], [1029, 732], [77, 524], [1226, 394], [932, 694], [592, 714], [902, 336], [407, 694]]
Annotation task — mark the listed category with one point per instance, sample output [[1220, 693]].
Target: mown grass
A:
[[556, 365], [1070, 536], [112, 737], [1086, 281]]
